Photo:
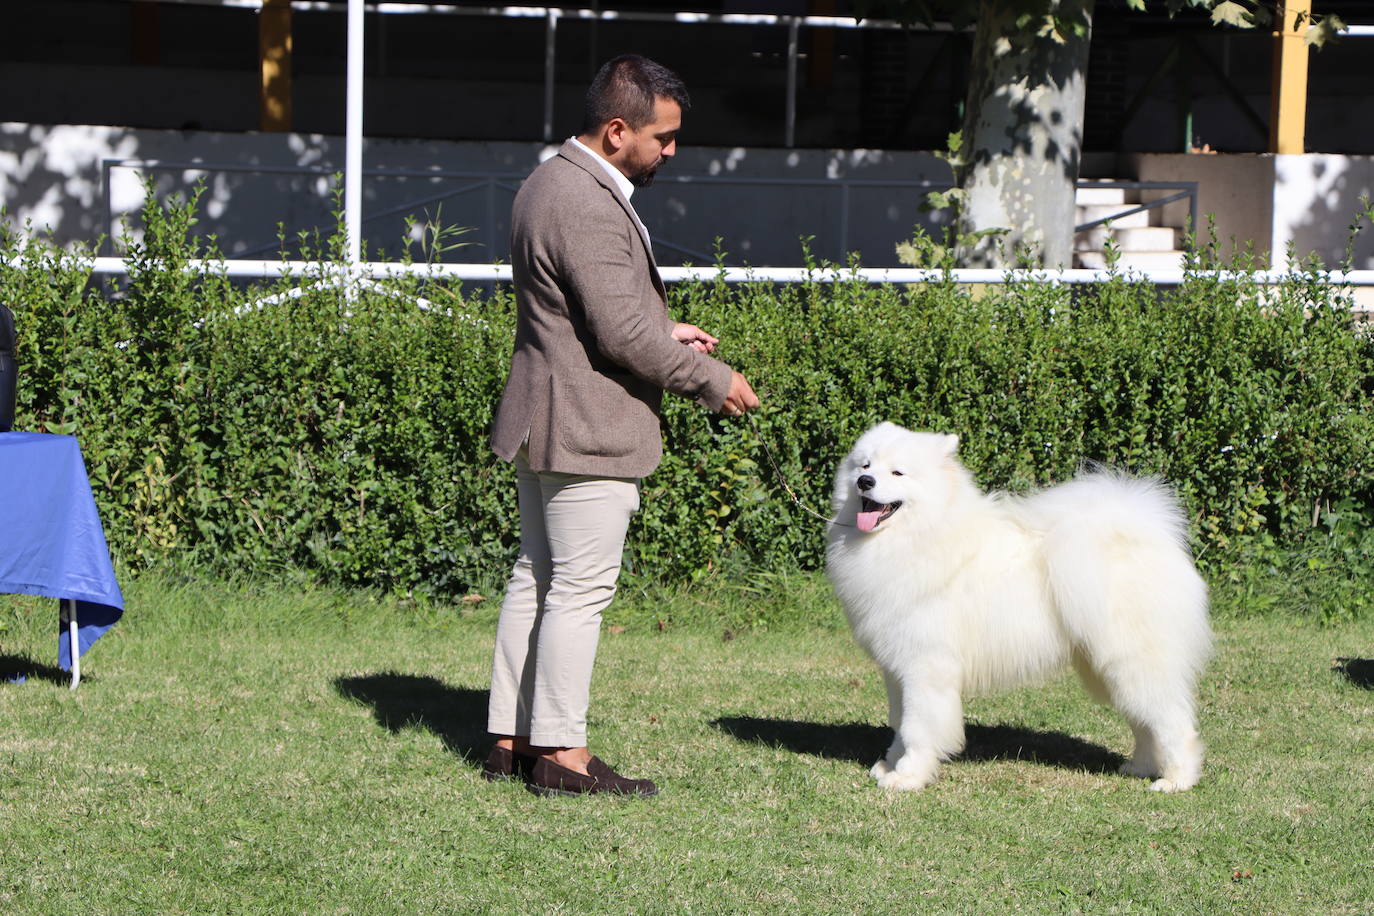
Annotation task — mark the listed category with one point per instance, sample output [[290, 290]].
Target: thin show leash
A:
[[753, 424]]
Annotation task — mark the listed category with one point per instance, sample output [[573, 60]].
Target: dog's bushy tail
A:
[[1117, 556], [1108, 502]]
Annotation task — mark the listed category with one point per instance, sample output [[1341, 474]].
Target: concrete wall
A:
[[80, 181], [1270, 201], [1315, 200], [1235, 190]]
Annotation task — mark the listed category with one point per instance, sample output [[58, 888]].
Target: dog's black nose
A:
[[866, 483]]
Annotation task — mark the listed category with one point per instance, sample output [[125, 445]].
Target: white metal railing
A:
[[266, 269]]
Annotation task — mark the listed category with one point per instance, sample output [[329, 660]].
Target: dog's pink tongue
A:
[[869, 520]]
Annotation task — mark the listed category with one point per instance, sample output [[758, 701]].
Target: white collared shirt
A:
[[626, 186]]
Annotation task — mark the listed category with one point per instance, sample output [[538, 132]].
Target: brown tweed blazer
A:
[[593, 341]]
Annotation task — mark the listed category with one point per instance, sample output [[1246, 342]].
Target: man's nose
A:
[[866, 483], [669, 149]]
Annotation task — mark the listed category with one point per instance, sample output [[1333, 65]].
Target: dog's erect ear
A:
[[951, 445]]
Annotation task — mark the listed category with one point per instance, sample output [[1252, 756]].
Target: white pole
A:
[[353, 140], [75, 643]]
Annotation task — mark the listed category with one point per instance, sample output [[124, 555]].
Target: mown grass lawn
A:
[[241, 750]]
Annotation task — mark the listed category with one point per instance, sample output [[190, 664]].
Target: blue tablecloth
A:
[[51, 541]]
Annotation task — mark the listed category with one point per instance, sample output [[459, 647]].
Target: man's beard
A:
[[646, 177]]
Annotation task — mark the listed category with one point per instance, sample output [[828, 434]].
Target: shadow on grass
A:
[[13, 667], [1358, 671], [866, 743], [458, 715], [855, 741]]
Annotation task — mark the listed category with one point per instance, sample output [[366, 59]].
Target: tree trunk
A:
[[1023, 135]]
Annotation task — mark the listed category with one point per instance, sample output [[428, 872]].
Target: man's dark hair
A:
[[626, 87]]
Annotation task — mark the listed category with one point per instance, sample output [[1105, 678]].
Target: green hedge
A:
[[347, 436]]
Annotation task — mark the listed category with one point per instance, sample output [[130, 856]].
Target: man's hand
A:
[[740, 398], [695, 338]]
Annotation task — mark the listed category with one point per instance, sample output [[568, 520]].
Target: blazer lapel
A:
[[584, 161]]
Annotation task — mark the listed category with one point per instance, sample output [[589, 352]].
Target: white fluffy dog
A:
[[953, 592]]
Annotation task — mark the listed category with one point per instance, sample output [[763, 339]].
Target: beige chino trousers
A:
[[572, 536]]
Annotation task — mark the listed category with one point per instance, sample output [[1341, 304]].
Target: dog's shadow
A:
[[864, 743], [457, 715], [1358, 671]]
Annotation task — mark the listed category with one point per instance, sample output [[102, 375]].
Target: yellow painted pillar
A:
[[274, 52], [820, 63], [1288, 102]]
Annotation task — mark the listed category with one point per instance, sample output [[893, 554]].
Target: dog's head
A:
[[894, 476]]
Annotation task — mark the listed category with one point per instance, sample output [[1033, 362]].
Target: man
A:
[[594, 351]]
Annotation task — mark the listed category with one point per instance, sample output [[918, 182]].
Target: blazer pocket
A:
[[602, 415]]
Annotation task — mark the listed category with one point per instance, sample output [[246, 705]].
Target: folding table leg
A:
[[70, 604]]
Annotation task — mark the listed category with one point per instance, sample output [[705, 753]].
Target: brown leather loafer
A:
[[503, 763], [548, 778]]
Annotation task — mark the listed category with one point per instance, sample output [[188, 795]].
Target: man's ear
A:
[[615, 131]]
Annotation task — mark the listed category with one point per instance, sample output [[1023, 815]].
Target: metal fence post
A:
[[550, 56], [790, 135]]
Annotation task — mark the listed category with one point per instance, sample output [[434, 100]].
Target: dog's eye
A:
[[866, 464], [896, 473]]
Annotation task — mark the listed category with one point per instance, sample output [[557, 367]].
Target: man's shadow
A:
[[458, 715], [864, 743], [1358, 671], [20, 667]]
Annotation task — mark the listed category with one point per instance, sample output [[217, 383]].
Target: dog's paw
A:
[[905, 782], [1178, 780], [880, 769], [912, 771], [1166, 785]]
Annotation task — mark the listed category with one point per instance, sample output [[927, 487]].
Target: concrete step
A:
[[1139, 238], [1086, 197], [1104, 211], [1131, 260]]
